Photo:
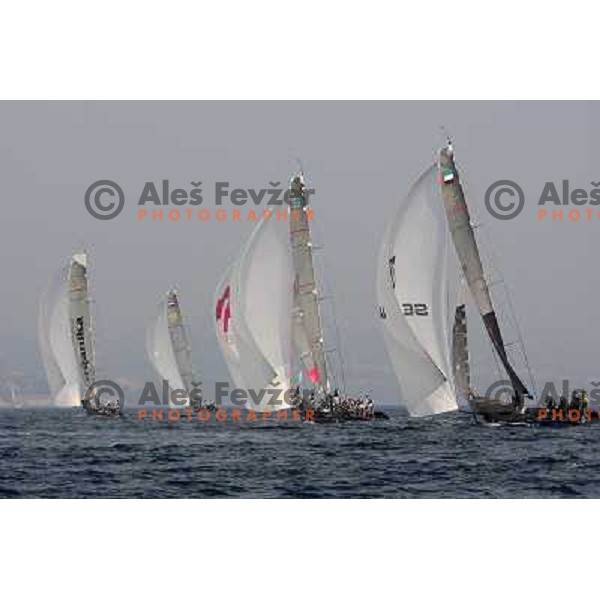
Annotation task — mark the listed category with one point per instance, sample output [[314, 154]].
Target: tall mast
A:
[[308, 332], [463, 236]]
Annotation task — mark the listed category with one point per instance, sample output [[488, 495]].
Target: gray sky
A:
[[360, 157]]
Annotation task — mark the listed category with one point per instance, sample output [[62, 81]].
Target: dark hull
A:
[[340, 417], [488, 410], [105, 413], [492, 412], [102, 410]]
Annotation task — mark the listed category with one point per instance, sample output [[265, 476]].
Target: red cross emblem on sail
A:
[[313, 375], [224, 309]]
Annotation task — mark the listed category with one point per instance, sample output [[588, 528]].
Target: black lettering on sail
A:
[[80, 337], [392, 268], [418, 309]]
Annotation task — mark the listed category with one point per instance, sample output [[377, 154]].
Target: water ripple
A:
[[65, 454]]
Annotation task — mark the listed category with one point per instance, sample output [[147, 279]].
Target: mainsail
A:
[[66, 335], [253, 308], [411, 286], [169, 349], [463, 237], [307, 328], [460, 358]]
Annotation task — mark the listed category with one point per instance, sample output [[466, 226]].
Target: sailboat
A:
[[66, 338], [465, 244], [14, 397], [268, 319], [170, 353], [430, 360]]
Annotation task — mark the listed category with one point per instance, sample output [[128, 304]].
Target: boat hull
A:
[[342, 417], [489, 411]]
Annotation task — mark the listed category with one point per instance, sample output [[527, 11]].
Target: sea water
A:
[[65, 453]]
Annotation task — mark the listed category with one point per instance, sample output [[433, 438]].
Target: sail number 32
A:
[[415, 310]]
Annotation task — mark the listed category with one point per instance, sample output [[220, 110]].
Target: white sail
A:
[[164, 350], [65, 334], [412, 294], [226, 329], [180, 340], [253, 316]]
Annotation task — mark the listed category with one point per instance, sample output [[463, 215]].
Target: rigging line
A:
[[339, 353], [338, 342], [494, 264], [496, 359], [445, 134], [522, 344], [478, 365], [513, 316], [298, 160], [331, 297]]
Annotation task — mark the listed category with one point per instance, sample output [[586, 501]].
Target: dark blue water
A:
[[54, 453]]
